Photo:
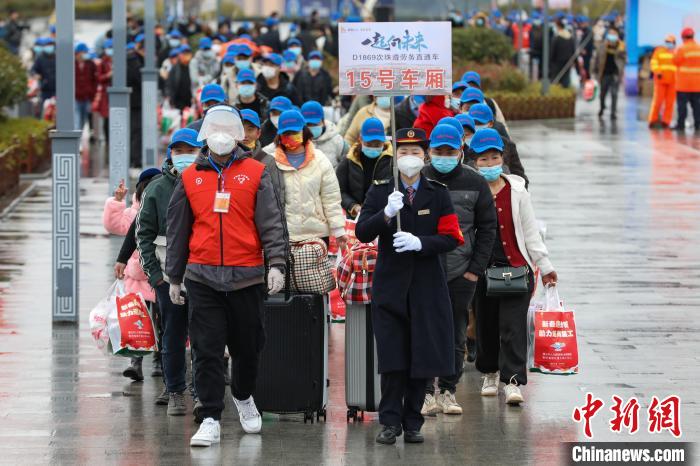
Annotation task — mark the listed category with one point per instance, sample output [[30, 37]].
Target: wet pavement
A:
[[622, 207]]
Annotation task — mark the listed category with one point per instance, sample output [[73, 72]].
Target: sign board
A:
[[395, 58]]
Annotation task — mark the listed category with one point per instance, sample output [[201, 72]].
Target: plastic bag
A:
[[590, 90], [99, 315], [129, 324], [553, 348]]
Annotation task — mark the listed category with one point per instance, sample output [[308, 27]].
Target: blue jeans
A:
[[82, 111], [174, 321]]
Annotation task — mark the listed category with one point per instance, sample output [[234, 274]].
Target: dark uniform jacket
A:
[[351, 175], [473, 203], [318, 88], [285, 88], [411, 309]]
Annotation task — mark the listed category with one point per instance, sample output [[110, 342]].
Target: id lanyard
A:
[[222, 199]]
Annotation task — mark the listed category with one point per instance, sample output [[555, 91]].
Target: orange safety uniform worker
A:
[[664, 73], [687, 61]]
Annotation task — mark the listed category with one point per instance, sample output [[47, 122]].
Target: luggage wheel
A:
[[321, 413], [352, 414], [309, 416]]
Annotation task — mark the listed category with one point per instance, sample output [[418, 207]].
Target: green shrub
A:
[[21, 129], [13, 79], [494, 76], [481, 45]]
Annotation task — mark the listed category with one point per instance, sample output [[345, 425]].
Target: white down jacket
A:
[[527, 231], [312, 196], [332, 144]]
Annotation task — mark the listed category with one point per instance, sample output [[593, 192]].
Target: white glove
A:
[[275, 280], [174, 293], [405, 241], [394, 204]]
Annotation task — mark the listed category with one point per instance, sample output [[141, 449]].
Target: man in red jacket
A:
[[85, 84], [435, 108]]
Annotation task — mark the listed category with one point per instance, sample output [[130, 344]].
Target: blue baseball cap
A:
[[288, 55], [213, 92], [139, 38], [107, 44], [293, 41], [52, 29], [40, 41], [472, 94], [229, 58], [246, 36], [147, 174], [354, 19], [445, 135], [251, 116], [312, 112], [290, 120], [186, 135], [472, 77], [274, 58], [466, 121], [204, 43], [315, 54], [175, 34], [485, 139], [454, 122], [81, 47], [130, 46], [459, 85], [174, 52], [269, 22], [184, 48], [233, 49], [245, 76], [481, 113], [280, 103], [373, 130], [244, 49]]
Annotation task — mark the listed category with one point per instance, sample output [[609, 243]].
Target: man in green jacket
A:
[[150, 240]]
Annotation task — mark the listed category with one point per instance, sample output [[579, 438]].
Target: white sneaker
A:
[[251, 421], [209, 433], [513, 394], [447, 402], [490, 385], [430, 406]]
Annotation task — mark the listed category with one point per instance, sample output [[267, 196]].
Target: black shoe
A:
[[613, 117], [157, 370], [413, 436], [134, 371], [471, 350], [388, 435], [679, 128], [600, 113]]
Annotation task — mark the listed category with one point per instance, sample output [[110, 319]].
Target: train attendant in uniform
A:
[[411, 311], [223, 218]]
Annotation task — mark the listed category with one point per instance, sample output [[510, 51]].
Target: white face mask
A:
[[216, 48], [410, 165], [221, 143], [478, 127], [268, 72], [274, 120]]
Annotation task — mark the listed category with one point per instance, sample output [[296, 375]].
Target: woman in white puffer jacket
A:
[[312, 194]]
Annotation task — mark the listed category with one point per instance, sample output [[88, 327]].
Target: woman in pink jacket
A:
[[117, 219]]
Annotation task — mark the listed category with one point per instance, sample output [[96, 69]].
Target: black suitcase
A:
[[293, 374]]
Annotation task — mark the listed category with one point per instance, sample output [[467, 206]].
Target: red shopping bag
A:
[[135, 325], [337, 306], [555, 349]]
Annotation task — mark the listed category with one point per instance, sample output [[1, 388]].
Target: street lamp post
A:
[[545, 48], [149, 89], [65, 142], [119, 131]]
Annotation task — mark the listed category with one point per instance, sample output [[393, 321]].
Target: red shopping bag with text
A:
[[135, 324], [554, 345]]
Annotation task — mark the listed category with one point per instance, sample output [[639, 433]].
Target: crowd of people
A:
[[208, 235]]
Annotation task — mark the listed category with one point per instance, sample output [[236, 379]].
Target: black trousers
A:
[[402, 400], [501, 333], [219, 319], [683, 99], [610, 82], [136, 138], [461, 294]]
